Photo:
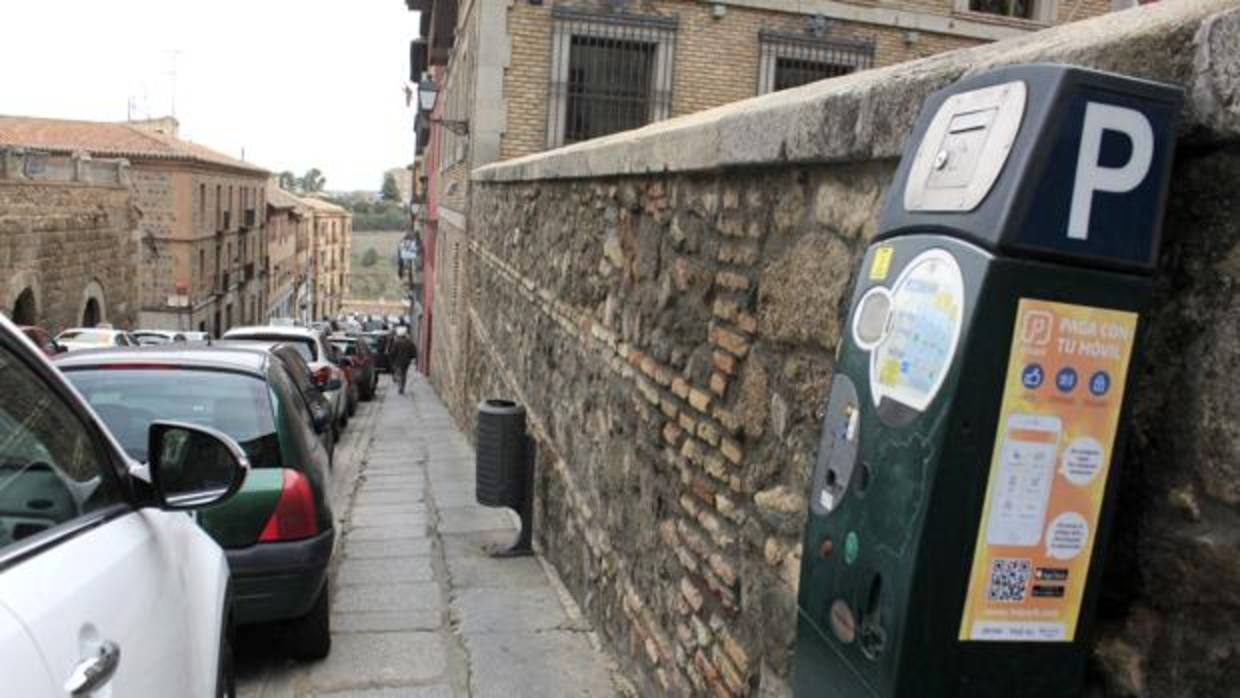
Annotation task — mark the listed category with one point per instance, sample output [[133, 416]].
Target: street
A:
[[418, 610]]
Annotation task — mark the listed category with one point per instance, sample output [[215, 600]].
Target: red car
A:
[[43, 340]]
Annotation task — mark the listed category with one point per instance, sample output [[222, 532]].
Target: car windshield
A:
[[148, 340], [348, 348], [86, 337], [304, 345], [129, 399]]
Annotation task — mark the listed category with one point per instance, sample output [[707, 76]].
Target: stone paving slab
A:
[[480, 571], [474, 519], [491, 610], [393, 596], [401, 547], [387, 621], [436, 691], [373, 533], [385, 570], [365, 660], [510, 665]]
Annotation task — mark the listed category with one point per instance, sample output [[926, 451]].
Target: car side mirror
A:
[[192, 466], [59, 348], [346, 361], [333, 384]]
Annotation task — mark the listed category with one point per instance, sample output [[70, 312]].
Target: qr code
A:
[[1008, 580]]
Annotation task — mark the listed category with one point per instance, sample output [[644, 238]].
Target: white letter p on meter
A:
[[1091, 176]]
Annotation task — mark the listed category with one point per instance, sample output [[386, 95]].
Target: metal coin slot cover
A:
[[873, 318], [837, 449], [964, 148]]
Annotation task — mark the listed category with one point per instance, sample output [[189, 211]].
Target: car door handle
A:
[[92, 673]]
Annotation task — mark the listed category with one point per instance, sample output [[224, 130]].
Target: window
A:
[[129, 399], [792, 60], [1036, 10], [51, 467], [610, 72]]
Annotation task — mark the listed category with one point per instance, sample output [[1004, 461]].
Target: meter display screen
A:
[[927, 308]]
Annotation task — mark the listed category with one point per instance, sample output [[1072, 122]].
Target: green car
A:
[[278, 530]]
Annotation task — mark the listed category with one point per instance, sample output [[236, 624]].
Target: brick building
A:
[[66, 240], [500, 79], [330, 249], [200, 242]]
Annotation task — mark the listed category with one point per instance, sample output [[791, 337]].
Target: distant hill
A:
[[380, 280]]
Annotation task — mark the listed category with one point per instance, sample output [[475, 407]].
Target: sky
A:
[[295, 83]]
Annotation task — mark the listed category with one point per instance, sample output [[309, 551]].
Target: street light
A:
[[427, 94]]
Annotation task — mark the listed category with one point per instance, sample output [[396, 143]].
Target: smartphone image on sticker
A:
[[1022, 491]]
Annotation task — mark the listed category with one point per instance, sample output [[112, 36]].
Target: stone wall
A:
[[67, 241], [667, 302]]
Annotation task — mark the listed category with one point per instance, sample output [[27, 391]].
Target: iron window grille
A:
[[610, 72], [792, 60]]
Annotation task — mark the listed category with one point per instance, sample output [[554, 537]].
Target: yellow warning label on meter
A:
[[1048, 472], [882, 263]]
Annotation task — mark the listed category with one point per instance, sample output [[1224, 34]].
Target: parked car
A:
[[303, 377], [42, 339], [106, 586], [278, 532], [148, 338], [360, 361], [319, 355], [377, 342], [77, 338]]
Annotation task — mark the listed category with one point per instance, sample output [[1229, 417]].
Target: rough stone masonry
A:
[[667, 303]]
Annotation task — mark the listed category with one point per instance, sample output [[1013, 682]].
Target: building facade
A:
[[66, 241], [500, 80], [288, 235], [200, 241], [331, 246]]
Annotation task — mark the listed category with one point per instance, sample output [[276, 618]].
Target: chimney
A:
[[166, 125]]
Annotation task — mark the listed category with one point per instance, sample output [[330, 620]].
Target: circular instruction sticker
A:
[[927, 308]]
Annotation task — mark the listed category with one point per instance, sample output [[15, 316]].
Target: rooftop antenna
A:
[[173, 54]]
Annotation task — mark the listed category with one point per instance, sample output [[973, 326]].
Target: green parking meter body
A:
[[961, 498]]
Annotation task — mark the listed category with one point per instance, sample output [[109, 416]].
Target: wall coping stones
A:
[[867, 116]]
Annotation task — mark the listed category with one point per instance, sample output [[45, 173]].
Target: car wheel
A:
[[310, 637], [226, 679]]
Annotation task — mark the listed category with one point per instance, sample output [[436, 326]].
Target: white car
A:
[[76, 338], [320, 356], [148, 338], [107, 586]]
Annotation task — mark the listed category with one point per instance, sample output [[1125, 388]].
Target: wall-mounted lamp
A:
[[427, 94]]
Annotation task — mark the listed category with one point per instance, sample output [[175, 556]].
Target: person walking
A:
[[402, 352]]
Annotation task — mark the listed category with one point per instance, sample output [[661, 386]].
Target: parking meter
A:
[[961, 497]]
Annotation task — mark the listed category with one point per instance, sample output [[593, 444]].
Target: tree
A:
[[288, 181], [389, 192], [313, 181], [370, 258]]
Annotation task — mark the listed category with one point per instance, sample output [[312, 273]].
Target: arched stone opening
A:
[[94, 304], [91, 314], [26, 308]]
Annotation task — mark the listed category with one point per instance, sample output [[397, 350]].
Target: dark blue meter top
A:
[[1101, 193], [1085, 181]]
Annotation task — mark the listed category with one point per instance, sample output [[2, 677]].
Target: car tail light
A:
[[322, 376], [296, 516]]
